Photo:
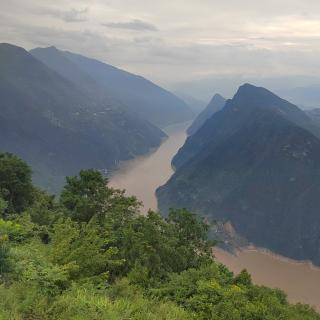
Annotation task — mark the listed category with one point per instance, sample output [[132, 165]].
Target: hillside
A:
[[57, 127], [216, 104], [255, 164], [93, 255], [141, 96], [314, 114]]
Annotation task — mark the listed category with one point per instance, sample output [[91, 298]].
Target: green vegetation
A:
[[91, 255], [15, 183]]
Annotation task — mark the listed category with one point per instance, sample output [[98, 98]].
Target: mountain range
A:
[[60, 118], [139, 95], [256, 164]]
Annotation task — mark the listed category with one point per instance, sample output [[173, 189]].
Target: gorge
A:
[[142, 176]]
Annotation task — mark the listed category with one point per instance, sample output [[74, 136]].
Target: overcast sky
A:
[[175, 40]]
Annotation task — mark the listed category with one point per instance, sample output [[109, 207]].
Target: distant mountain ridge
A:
[[57, 127], [216, 104], [216, 128], [139, 95], [255, 164]]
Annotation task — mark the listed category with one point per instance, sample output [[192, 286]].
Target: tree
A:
[[3, 206], [83, 247], [88, 195], [15, 183], [243, 278], [4, 255], [8, 231], [191, 230], [85, 195]]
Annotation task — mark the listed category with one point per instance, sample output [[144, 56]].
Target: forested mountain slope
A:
[[216, 104], [149, 101], [57, 127], [255, 164]]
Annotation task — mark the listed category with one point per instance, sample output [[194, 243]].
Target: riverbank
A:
[[300, 280], [142, 176]]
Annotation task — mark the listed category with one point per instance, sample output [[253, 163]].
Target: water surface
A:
[[300, 280], [142, 176]]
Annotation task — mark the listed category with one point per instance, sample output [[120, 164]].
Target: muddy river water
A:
[[142, 176]]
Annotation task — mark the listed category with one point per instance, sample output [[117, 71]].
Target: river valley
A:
[[142, 176]]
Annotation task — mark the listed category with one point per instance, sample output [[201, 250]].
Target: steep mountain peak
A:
[[249, 104], [10, 51], [217, 98], [250, 98], [18, 64], [9, 46], [255, 94], [58, 127], [256, 164], [248, 86], [216, 104], [56, 60], [52, 50]]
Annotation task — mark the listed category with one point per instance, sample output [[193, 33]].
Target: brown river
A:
[[143, 175]]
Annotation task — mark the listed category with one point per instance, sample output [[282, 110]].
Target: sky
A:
[[172, 41]]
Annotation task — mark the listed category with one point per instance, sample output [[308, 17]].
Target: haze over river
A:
[[142, 176]]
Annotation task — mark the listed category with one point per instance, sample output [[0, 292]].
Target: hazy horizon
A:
[[178, 41]]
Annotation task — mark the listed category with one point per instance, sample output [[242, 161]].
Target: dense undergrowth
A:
[[91, 255]]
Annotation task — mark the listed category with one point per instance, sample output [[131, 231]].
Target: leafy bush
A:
[[93, 256]]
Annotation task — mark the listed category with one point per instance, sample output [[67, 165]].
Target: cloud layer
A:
[[177, 40], [134, 24]]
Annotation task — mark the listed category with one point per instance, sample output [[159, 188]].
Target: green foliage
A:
[[93, 256], [34, 269], [86, 303], [211, 292], [8, 231], [44, 211], [19, 302], [188, 226], [3, 206], [5, 265], [243, 279], [85, 195], [152, 247], [84, 247], [15, 183]]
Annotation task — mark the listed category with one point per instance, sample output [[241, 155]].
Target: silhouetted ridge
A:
[[255, 163], [58, 127], [215, 105], [118, 87]]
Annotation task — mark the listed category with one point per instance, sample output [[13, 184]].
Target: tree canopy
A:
[[15, 183], [92, 255]]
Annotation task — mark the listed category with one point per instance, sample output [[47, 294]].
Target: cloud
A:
[[172, 41], [72, 15], [135, 24]]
